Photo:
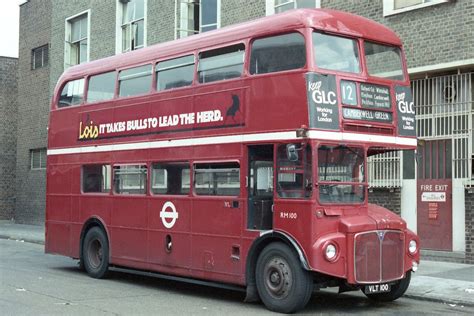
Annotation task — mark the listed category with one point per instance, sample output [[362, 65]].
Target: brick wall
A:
[[388, 198], [33, 110], [469, 200], [8, 119], [236, 11], [161, 21], [432, 35]]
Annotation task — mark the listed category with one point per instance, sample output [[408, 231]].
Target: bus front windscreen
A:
[[341, 175], [383, 61], [336, 53]]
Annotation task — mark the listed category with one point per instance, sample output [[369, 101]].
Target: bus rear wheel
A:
[[396, 290], [282, 284], [95, 253]]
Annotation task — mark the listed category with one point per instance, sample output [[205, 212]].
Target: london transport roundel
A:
[[168, 214]]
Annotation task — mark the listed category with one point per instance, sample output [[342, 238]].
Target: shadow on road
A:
[[320, 302]]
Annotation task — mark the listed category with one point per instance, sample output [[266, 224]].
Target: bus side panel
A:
[[58, 209], [216, 227], [278, 102], [128, 228], [57, 238], [176, 236]]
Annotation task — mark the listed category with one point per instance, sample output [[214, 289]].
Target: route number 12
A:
[[348, 91]]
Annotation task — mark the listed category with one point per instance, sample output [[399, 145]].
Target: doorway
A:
[[260, 187], [434, 205]]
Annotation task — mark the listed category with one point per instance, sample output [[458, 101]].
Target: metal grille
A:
[[378, 256], [444, 111], [445, 115], [384, 170]]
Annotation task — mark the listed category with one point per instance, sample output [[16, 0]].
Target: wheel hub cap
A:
[[278, 277]]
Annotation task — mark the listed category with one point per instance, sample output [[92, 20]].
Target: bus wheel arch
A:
[[257, 247], [100, 233]]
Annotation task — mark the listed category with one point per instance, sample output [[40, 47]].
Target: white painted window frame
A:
[[389, 6], [183, 27], [118, 26], [270, 5], [67, 31]]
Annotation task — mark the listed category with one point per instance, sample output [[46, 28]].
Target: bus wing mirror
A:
[[291, 152]]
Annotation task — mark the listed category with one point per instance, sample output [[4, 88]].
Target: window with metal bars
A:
[[40, 57], [38, 158]]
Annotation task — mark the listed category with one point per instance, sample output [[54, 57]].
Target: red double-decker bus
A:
[[237, 157]]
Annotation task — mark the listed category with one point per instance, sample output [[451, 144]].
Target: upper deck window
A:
[[101, 87], [336, 53], [221, 64], [135, 81], [72, 93], [175, 73], [277, 53], [383, 61]]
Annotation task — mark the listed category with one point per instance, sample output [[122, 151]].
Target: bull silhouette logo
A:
[[234, 108]]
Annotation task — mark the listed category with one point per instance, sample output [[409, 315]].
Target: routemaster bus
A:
[[237, 157]]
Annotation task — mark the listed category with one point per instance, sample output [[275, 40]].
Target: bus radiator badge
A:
[[168, 217], [381, 235]]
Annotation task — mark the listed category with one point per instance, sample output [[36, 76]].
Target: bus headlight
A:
[[330, 252], [412, 247]]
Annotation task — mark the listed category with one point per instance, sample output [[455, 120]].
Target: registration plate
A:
[[377, 288]]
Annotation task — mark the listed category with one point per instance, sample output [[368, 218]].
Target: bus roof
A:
[[322, 19]]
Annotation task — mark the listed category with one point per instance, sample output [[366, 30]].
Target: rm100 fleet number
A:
[[288, 215]]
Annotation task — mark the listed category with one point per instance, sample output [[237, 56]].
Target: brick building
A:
[[439, 42], [33, 107], [8, 120]]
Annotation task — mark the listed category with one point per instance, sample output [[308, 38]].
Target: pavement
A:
[[446, 282]]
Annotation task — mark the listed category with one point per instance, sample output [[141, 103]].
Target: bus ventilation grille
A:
[[379, 256], [368, 129]]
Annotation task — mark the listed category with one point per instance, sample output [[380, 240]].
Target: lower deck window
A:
[[96, 178], [130, 179], [170, 178], [217, 179]]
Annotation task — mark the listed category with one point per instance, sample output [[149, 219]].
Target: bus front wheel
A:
[[95, 253], [282, 283]]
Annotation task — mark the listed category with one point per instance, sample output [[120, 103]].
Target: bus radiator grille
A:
[[378, 256]]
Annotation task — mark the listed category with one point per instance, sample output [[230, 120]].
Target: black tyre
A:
[[95, 253], [396, 290], [282, 283]]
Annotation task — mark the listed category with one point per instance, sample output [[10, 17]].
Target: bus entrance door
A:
[[260, 188]]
